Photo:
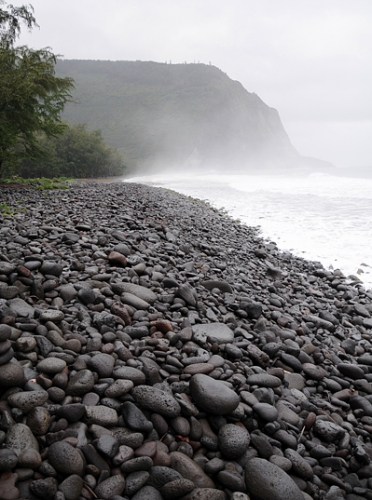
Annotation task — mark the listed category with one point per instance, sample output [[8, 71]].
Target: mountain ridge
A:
[[184, 115]]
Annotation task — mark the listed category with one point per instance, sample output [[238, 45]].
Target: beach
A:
[[153, 347]]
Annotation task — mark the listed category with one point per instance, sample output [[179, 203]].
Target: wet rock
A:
[[8, 459], [28, 400], [80, 383], [190, 470], [213, 332], [65, 458], [135, 419], [11, 375], [114, 485], [71, 487], [20, 437], [156, 400], [177, 488], [233, 441], [213, 396], [45, 488], [8, 489], [328, 431], [266, 481]]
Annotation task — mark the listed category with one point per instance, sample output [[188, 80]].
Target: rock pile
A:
[[151, 347]]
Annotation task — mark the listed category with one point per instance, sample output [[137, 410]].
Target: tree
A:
[[32, 97], [75, 153]]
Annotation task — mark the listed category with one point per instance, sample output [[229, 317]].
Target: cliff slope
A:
[[189, 115]]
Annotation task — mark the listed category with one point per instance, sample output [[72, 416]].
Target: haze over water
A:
[[318, 217]]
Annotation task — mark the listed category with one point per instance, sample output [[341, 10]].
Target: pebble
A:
[[156, 400], [65, 458], [190, 470], [51, 366], [28, 400], [110, 487], [141, 358], [278, 487], [212, 395], [233, 441]]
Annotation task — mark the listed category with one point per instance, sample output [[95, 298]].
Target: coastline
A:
[[110, 288]]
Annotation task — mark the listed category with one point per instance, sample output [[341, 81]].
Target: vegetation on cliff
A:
[[76, 153], [183, 114]]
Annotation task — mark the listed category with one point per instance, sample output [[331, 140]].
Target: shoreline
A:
[[167, 351]]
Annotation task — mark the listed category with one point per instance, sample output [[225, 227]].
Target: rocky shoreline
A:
[[153, 348]]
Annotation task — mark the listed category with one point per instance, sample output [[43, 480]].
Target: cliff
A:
[[184, 115]]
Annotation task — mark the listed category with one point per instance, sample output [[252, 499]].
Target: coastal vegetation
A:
[[76, 153], [34, 140]]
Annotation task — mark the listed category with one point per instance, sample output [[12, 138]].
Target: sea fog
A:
[[318, 217]]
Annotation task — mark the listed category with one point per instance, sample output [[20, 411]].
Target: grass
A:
[[40, 183], [8, 211]]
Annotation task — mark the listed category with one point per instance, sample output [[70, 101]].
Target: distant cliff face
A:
[[186, 115]]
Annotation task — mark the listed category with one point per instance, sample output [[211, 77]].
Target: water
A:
[[318, 217]]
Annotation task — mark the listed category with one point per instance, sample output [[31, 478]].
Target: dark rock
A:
[[212, 395], [266, 481]]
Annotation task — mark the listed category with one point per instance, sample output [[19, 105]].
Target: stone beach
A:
[[153, 348]]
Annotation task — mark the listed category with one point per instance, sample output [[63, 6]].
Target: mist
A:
[[308, 60]]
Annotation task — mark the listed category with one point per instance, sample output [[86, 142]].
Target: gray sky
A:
[[309, 59]]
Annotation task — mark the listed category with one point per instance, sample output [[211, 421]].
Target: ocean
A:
[[319, 217]]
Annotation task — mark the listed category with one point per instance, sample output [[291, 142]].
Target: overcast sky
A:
[[309, 59]]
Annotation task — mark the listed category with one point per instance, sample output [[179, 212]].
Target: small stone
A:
[[39, 420], [266, 412], [266, 481], [20, 437], [233, 441], [65, 458], [71, 487], [28, 400], [51, 365], [213, 396], [135, 419], [101, 415], [8, 459], [80, 383], [8, 490], [156, 400], [190, 470], [114, 485], [11, 375], [44, 488], [177, 488]]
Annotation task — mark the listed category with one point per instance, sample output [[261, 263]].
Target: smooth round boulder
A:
[[65, 458], [11, 375], [80, 383], [38, 420], [71, 487], [20, 437], [114, 485], [233, 441], [103, 364], [8, 459], [212, 396], [28, 400], [51, 366], [190, 470], [266, 481]]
